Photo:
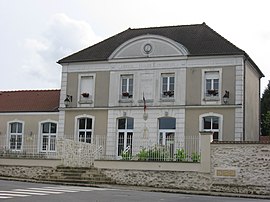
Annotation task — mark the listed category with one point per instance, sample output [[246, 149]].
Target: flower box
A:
[[85, 95]]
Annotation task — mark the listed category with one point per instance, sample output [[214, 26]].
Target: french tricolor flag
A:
[[144, 103]]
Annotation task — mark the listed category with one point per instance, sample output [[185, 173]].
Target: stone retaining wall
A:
[[249, 165], [27, 172], [161, 179]]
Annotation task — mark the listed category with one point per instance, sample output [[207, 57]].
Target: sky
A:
[[35, 34]]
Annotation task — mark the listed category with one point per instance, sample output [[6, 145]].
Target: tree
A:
[[265, 111]]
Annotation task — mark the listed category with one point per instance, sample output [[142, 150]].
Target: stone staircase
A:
[[70, 175]]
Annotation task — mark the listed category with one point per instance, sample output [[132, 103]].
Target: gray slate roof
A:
[[199, 39]]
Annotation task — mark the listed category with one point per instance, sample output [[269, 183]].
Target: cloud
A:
[[61, 37]]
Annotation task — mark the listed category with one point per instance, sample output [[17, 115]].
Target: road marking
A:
[[24, 191], [43, 191], [10, 194], [4, 197], [59, 189]]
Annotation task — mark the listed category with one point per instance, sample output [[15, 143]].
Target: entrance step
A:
[[80, 175]]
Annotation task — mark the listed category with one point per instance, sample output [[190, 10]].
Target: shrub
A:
[[180, 155], [195, 157], [143, 155], [126, 155]]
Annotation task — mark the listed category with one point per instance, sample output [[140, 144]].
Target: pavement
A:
[[142, 188]]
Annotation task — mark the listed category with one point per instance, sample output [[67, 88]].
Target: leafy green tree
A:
[[265, 111]]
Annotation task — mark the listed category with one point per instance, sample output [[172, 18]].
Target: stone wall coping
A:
[[239, 142]]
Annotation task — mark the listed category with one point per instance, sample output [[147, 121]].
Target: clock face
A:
[[147, 48]]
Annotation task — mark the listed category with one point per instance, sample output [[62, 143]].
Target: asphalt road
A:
[[14, 191]]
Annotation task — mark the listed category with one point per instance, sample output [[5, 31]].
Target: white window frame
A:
[[125, 131], [77, 130], [86, 100], [9, 134], [170, 93], [130, 94], [220, 130], [40, 141], [216, 74]]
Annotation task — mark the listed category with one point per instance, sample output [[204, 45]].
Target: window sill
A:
[[85, 102], [211, 99], [146, 101], [167, 100], [126, 101]]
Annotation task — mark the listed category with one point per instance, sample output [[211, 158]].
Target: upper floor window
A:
[[85, 129], [86, 88], [126, 86], [167, 89], [15, 136], [211, 85], [48, 136]]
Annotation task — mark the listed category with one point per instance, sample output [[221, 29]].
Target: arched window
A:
[[212, 122], [48, 136], [85, 129], [125, 134], [15, 135]]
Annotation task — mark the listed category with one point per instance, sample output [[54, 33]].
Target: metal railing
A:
[[125, 148], [167, 149]]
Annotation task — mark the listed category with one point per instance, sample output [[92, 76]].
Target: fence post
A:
[[205, 139]]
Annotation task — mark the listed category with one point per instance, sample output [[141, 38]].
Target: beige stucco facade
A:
[[31, 126], [102, 80], [192, 120], [252, 103], [99, 117], [194, 77]]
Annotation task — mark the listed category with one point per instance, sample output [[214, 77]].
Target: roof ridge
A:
[[158, 27], [31, 90]]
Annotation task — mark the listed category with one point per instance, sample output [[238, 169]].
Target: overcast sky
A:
[[35, 34]]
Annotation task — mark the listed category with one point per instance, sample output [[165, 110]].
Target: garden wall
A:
[[240, 167], [234, 168]]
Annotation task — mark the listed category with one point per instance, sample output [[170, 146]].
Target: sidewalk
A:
[[141, 188]]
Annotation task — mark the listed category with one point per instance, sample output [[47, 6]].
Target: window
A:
[[48, 136], [125, 133], [167, 126], [86, 88], [126, 86], [212, 123], [16, 136], [212, 85], [167, 89], [85, 129]]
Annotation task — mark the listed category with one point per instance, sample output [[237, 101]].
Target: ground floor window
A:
[[212, 123], [85, 129], [125, 135], [167, 126], [48, 136], [16, 136]]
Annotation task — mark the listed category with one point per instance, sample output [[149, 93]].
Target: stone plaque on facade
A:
[[147, 85], [226, 172]]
